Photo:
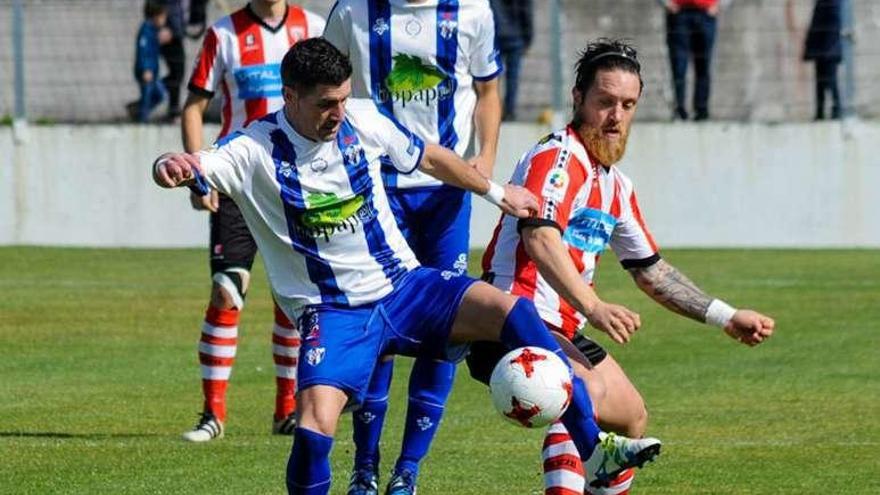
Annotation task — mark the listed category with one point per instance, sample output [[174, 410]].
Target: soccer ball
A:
[[531, 387]]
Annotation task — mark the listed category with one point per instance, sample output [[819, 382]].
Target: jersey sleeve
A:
[[208, 70], [225, 166], [338, 29], [631, 240], [485, 63], [555, 178], [404, 147]]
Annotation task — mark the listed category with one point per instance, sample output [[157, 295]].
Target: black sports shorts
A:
[[232, 245], [485, 355]]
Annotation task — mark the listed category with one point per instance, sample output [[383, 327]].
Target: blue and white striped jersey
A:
[[318, 210], [419, 62]]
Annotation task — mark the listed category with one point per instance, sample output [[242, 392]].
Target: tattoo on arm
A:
[[669, 287]]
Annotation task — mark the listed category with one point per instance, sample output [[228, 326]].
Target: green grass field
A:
[[99, 377]]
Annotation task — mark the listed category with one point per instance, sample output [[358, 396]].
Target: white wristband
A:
[[719, 313], [495, 194]]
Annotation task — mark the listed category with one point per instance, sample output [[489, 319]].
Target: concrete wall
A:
[[793, 185]]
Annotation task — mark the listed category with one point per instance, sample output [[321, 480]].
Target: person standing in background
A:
[[173, 54], [146, 61], [823, 46], [690, 32], [513, 35]]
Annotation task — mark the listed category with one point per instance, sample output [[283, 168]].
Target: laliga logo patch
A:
[[380, 27], [318, 165], [315, 355], [555, 184]]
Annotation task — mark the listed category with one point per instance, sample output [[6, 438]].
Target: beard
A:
[[604, 150]]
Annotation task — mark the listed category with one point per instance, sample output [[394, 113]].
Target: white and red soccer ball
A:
[[531, 387]]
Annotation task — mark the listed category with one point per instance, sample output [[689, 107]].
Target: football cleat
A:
[[207, 429], [401, 483], [284, 426], [614, 454], [364, 481]]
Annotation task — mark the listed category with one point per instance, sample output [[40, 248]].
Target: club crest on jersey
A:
[[380, 27], [448, 26], [352, 149], [589, 230], [297, 33], [249, 39]]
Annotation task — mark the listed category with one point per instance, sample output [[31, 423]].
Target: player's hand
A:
[[672, 7], [519, 202], [209, 202], [713, 10], [175, 169], [147, 76], [482, 165], [617, 321], [750, 327]]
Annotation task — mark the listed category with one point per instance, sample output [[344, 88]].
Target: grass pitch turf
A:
[[99, 377]]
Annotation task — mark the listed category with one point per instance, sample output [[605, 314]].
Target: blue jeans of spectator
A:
[[512, 56], [691, 33], [152, 94]]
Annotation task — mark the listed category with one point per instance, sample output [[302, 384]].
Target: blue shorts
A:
[[340, 345], [436, 224]]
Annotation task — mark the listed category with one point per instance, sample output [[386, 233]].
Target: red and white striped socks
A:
[[564, 473], [285, 353], [217, 347]]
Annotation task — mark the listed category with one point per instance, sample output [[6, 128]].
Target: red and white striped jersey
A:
[[241, 56], [591, 205]]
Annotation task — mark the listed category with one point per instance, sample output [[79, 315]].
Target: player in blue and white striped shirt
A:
[[433, 66], [308, 182]]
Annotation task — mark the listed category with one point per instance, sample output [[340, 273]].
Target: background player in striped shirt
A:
[[240, 57], [433, 66], [307, 179], [586, 203]]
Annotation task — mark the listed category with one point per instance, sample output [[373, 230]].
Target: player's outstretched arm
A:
[[544, 246], [191, 129], [671, 288], [445, 165]]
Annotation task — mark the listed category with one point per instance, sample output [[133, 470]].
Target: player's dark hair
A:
[[314, 61], [606, 54], [152, 8]]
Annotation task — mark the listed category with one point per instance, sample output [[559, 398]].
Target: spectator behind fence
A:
[[823, 46], [690, 32], [146, 63], [173, 54], [513, 34]]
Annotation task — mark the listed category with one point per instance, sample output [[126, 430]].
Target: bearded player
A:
[[586, 203]]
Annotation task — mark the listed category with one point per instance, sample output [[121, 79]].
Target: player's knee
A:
[[639, 424], [229, 288]]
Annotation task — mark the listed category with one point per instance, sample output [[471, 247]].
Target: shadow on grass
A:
[[82, 436]]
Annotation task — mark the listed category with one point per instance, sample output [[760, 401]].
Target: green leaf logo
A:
[[410, 73], [327, 210]]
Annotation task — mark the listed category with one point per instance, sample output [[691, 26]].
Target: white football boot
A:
[[207, 429], [614, 454]]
